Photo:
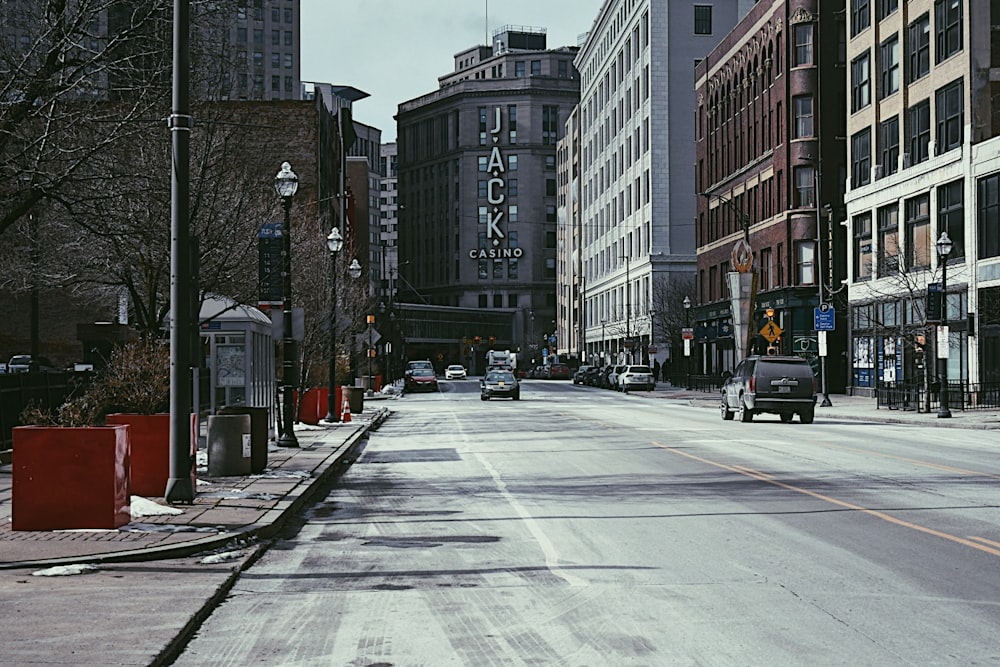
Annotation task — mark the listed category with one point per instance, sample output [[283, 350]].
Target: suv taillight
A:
[[753, 384]]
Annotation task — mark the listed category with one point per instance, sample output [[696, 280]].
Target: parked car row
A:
[[621, 377], [549, 372]]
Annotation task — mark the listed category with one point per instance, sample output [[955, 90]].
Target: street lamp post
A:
[[370, 353], [334, 242], [944, 248], [285, 184], [687, 342]]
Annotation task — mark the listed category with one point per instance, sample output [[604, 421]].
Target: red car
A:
[[559, 372], [420, 379]]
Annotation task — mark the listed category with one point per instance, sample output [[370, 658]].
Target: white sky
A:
[[395, 50]]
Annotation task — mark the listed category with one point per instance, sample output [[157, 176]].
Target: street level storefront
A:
[[892, 345], [794, 320]]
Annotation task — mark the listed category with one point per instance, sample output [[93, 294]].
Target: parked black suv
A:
[[784, 386]]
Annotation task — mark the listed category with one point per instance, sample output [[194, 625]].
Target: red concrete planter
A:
[[150, 451], [67, 477]]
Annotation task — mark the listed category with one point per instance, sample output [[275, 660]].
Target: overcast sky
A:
[[395, 50]]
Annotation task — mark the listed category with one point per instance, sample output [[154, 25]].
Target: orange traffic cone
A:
[[345, 410]]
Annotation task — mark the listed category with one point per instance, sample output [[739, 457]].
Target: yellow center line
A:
[[748, 472], [926, 464]]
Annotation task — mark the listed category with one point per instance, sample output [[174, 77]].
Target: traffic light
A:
[[493, 340], [478, 339]]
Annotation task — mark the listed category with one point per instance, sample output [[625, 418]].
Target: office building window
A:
[[988, 217], [918, 232], [805, 262], [918, 132], [951, 214], [536, 67], [275, 83], [482, 126], [861, 158], [889, 66], [805, 193], [861, 16], [550, 124], [888, 240], [888, 147], [512, 123], [803, 109], [949, 113], [861, 95], [885, 7], [288, 61], [275, 60], [703, 19], [519, 69], [804, 44], [862, 246], [918, 48], [948, 28]]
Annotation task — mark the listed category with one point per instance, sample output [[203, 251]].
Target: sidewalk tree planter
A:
[[134, 388], [149, 446], [70, 477]]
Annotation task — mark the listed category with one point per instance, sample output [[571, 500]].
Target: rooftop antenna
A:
[[486, 19]]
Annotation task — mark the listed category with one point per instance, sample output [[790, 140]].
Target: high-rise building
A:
[[478, 199], [769, 166], [637, 175], [924, 161]]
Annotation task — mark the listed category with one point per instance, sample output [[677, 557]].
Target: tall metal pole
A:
[[179, 486], [287, 438], [825, 402]]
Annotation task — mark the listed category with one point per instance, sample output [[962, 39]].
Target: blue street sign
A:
[[824, 318]]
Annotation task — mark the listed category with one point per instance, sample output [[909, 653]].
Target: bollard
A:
[[229, 445]]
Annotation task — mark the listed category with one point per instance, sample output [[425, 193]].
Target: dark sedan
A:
[[499, 384], [420, 379]]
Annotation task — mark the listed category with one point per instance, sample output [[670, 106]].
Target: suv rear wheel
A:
[[746, 414], [806, 416]]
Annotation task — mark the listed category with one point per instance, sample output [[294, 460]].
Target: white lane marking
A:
[[551, 555]]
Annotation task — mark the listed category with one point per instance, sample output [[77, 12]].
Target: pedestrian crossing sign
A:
[[771, 332]]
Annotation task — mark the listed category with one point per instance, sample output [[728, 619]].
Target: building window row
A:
[[949, 113], [914, 253]]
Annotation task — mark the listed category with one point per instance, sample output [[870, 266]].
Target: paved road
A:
[[581, 527]]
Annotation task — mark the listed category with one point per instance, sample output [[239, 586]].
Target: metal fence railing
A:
[[962, 395]]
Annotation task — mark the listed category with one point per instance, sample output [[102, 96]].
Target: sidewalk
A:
[[225, 511]]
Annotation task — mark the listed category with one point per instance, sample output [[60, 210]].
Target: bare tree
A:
[[669, 314], [77, 77]]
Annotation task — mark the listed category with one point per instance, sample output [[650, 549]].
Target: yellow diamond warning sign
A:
[[771, 332]]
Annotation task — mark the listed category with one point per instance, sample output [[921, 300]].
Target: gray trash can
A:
[[229, 445], [258, 433]]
